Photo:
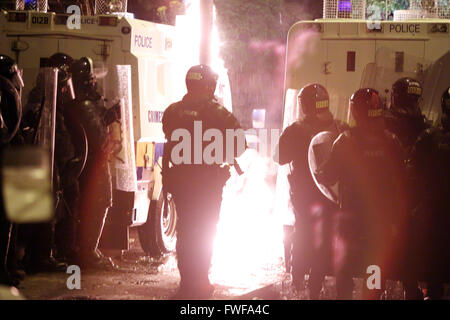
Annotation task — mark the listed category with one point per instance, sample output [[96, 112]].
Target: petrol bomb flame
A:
[[248, 248]]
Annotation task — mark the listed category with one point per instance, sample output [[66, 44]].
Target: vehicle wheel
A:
[[157, 235]]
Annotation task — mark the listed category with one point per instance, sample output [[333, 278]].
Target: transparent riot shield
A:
[[436, 80], [45, 133], [318, 153], [391, 65], [119, 86], [28, 170]]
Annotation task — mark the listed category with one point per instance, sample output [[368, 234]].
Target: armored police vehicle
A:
[[345, 52]]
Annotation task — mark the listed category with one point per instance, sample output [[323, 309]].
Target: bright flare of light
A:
[[248, 249], [188, 39]]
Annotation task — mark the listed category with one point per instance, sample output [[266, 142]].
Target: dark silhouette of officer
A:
[[196, 184]]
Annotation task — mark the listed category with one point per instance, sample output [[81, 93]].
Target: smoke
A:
[[254, 35]]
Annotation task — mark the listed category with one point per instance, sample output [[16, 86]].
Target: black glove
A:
[[112, 114]]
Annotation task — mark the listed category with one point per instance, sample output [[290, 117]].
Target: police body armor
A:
[[404, 118], [91, 116], [182, 115], [300, 179], [407, 127]]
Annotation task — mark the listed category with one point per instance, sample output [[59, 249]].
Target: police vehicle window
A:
[[351, 58], [399, 61]]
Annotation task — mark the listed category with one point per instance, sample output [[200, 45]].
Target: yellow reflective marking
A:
[[415, 90], [194, 76], [322, 104], [375, 113]]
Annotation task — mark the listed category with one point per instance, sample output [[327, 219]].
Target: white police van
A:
[[345, 55]]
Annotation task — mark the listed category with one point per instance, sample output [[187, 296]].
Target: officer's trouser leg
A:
[[349, 267], [196, 228], [301, 251], [344, 284], [5, 231], [92, 222], [95, 186], [321, 256]]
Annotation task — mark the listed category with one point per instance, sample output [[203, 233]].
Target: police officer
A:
[[429, 162], [95, 180], [10, 116], [40, 238], [196, 186], [404, 117], [367, 161], [311, 252]]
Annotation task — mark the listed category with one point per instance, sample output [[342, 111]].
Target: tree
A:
[[376, 9], [160, 11]]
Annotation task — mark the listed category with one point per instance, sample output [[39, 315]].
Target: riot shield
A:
[[318, 154], [436, 81], [8, 89], [391, 65], [45, 133], [28, 170], [125, 161]]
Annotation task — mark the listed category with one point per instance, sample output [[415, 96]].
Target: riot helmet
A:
[[366, 106], [201, 79], [85, 80], [9, 70], [62, 62], [82, 69], [313, 99], [406, 94]]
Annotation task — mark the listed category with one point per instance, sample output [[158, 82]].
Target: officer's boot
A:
[[91, 232]]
